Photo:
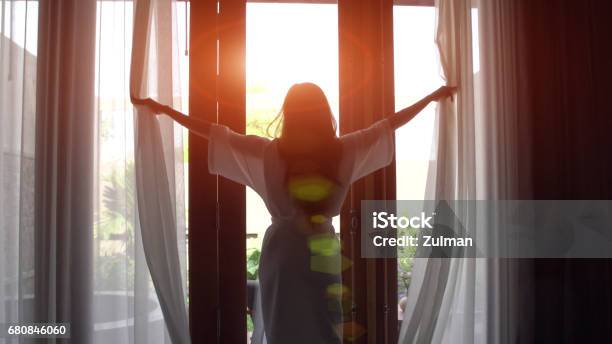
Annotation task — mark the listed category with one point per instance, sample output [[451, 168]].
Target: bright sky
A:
[[284, 48], [417, 73]]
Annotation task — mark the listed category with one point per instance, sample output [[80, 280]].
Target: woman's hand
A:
[[404, 116], [149, 103], [442, 93]]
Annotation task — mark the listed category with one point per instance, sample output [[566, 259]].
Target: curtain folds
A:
[[458, 300], [151, 75], [71, 246], [64, 165]]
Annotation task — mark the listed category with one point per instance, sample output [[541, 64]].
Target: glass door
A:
[[283, 47]]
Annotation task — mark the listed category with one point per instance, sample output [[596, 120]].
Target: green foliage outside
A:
[[252, 262], [405, 262], [117, 218], [252, 270]]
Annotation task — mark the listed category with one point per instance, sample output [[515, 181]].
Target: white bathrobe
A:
[[299, 270]]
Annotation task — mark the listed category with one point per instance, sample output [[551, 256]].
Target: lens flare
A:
[[318, 219], [310, 188], [324, 245]]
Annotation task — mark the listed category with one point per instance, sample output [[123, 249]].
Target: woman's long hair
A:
[[306, 113]]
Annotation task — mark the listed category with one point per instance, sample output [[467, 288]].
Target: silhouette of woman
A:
[[303, 177]]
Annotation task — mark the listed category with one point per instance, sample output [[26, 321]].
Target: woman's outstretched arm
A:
[[404, 116], [196, 126]]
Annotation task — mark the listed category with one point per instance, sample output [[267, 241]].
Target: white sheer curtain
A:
[[18, 58], [140, 227], [64, 165], [456, 300], [66, 129], [152, 74]]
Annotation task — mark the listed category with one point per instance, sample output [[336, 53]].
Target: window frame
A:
[[217, 258]]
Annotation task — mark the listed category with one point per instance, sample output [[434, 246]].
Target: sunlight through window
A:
[[417, 74], [284, 48]]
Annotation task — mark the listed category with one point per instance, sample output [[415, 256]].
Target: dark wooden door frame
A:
[[231, 28], [203, 235], [217, 239], [367, 95]]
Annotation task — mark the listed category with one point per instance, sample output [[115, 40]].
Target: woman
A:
[[303, 177]]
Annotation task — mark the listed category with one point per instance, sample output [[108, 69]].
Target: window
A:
[[120, 274], [416, 75], [284, 48]]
